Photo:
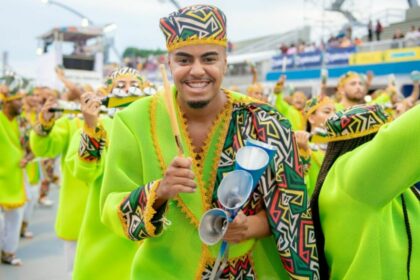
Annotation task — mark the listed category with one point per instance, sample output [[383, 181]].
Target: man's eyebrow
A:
[[183, 54], [210, 54]]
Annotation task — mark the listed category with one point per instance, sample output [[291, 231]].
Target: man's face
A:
[[126, 85], [353, 90], [15, 106], [198, 73], [299, 100]]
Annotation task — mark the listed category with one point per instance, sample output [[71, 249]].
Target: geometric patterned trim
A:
[[355, 122], [137, 214], [92, 143]]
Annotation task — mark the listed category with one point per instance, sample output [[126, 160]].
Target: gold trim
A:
[[153, 125], [195, 41], [98, 132], [149, 211], [226, 117]]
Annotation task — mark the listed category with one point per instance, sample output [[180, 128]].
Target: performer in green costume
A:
[[12, 163], [292, 112], [365, 209], [149, 193], [100, 254], [51, 138], [311, 142]]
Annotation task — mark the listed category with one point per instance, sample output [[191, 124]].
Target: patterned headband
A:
[[314, 103], [355, 122], [343, 79], [193, 25], [119, 73]]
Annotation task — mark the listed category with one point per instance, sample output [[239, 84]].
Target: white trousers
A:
[[69, 254], [11, 233], [32, 193]]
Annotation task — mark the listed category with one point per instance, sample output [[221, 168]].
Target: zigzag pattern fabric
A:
[[282, 189], [355, 122], [198, 24]]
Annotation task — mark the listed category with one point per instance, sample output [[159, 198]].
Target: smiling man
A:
[[152, 194]]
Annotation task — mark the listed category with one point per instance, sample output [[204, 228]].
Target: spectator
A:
[[357, 41], [398, 34], [370, 31], [292, 49], [283, 48], [413, 33], [345, 42], [378, 30]]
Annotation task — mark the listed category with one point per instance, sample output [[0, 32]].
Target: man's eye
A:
[[209, 59], [183, 60], [120, 85]]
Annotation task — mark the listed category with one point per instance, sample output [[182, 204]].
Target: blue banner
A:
[[333, 56], [339, 56], [279, 60], [308, 59]]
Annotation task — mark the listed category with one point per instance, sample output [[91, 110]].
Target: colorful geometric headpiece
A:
[[142, 87], [343, 79], [355, 122], [314, 103], [193, 25]]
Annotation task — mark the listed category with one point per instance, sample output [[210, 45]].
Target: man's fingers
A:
[[182, 162], [181, 172], [183, 182], [183, 189]]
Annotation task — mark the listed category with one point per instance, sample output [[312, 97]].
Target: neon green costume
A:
[[12, 189], [362, 200], [73, 192], [291, 113], [175, 251], [100, 253]]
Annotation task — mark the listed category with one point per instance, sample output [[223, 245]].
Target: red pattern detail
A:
[[299, 167], [305, 254], [288, 264], [275, 212], [344, 122]]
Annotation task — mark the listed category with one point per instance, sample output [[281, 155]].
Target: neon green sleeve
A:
[[288, 111], [81, 169], [383, 168], [55, 143], [122, 174]]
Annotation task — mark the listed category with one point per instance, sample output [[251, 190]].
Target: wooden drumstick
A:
[[170, 106]]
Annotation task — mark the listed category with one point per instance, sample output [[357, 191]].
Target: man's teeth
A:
[[197, 84]]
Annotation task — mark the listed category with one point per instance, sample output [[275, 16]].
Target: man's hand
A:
[[23, 162], [178, 178], [302, 139], [90, 106], [51, 102], [246, 227], [238, 229]]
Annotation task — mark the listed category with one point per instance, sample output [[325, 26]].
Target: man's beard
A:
[[198, 104], [355, 99]]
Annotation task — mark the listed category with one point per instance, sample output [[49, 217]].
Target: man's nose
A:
[[197, 69]]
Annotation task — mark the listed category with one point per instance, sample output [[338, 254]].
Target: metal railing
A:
[[388, 44]]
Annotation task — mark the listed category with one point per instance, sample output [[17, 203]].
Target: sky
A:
[[21, 21]]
